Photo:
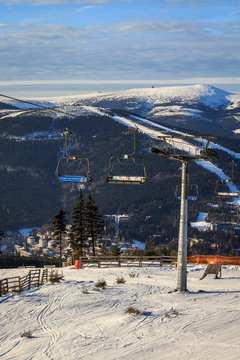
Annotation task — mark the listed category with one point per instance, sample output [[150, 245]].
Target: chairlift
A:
[[192, 192], [63, 171], [221, 187], [121, 162]]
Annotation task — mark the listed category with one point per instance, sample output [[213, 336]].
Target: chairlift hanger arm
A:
[[134, 131], [66, 133], [232, 164]]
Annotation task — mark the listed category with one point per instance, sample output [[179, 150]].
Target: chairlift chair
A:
[[221, 188], [65, 177], [61, 172], [126, 160], [192, 192], [122, 178]]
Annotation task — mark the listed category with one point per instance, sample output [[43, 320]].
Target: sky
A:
[[64, 46]]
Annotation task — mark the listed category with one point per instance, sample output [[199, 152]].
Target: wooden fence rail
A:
[[18, 283], [123, 261]]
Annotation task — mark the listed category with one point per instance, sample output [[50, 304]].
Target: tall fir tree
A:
[[94, 222], [78, 236], [59, 228], [150, 247], [116, 249]]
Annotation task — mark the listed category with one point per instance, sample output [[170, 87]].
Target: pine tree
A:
[[78, 234], [59, 228], [150, 248], [116, 249], [94, 222]]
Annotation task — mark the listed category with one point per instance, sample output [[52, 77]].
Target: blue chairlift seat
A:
[[192, 198], [70, 178]]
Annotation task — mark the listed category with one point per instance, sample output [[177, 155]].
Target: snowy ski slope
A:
[[67, 324]]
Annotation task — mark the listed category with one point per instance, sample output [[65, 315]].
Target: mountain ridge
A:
[[31, 144]]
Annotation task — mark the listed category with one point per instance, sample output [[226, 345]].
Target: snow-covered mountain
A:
[[32, 142], [197, 108]]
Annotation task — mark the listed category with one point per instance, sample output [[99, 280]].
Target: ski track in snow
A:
[[54, 305]]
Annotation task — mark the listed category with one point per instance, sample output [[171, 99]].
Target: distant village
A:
[[40, 242]]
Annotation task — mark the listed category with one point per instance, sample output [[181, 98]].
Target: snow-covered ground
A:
[[68, 324]]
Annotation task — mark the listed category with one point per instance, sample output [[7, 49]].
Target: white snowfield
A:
[[67, 324], [205, 94]]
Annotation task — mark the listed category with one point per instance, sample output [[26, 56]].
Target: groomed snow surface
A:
[[67, 324]]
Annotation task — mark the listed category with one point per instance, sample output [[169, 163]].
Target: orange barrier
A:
[[213, 259], [77, 264]]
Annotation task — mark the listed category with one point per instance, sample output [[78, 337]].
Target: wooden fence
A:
[[20, 283], [121, 261]]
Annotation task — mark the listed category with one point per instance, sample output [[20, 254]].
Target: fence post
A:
[[99, 262], [46, 275], [29, 280], [19, 283], [140, 261], [39, 274], [119, 261]]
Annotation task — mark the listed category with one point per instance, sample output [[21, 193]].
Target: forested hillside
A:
[[31, 144]]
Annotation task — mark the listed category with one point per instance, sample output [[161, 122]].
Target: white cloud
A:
[[139, 49], [95, 52], [60, 2], [170, 27]]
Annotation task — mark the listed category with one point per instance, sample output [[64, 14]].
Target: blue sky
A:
[[71, 44]]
